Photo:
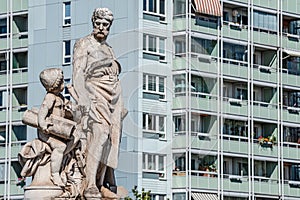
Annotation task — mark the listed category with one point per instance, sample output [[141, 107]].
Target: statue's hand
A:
[[45, 125]]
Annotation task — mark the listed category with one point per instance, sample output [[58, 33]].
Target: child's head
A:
[[52, 79]]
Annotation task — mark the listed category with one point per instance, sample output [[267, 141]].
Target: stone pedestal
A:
[[41, 192], [41, 186]]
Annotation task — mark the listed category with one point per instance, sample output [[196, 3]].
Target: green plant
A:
[[144, 195]]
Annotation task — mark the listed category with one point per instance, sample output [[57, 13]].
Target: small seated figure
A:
[[55, 104]]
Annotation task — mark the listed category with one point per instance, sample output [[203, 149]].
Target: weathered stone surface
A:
[[77, 148]]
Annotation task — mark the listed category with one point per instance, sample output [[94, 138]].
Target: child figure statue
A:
[[54, 105]]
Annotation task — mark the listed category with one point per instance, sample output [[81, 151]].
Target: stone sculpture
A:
[[78, 142]]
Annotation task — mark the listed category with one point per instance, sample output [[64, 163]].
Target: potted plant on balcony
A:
[[267, 141]]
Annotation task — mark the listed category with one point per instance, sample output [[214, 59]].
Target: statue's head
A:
[[102, 19], [52, 79]]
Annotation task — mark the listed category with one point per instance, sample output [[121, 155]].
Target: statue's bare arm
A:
[[79, 64], [46, 106]]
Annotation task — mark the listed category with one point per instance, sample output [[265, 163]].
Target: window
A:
[[3, 62], [292, 64], [154, 87], [155, 124], [234, 127], [3, 26], [66, 92], [267, 21], [202, 46], [67, 52], [154, 47], [20, 61], [235, 52], [241, 93], [179, 122], [295, 172], [155, 7], [291, 134], [2, 137], [19, 98], [19, 133], [154, 166], [67, 14], [157, 197]]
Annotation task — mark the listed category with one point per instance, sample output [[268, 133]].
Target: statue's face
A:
[[101, 29]]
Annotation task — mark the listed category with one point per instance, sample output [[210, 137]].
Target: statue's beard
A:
[[99, 34]]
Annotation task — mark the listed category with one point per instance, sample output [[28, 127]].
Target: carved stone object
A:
[[77, 148]]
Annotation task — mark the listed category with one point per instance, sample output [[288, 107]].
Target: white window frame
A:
[[155, 168], [66, 56], [157, 46], [162, 134], [157, 77], [66, 19], [157, 13]]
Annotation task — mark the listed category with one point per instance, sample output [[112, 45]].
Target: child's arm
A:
[[44, 112]]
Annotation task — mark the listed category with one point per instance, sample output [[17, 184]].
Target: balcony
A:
[[265, 74], [235, 144], [235, 183], [291, 114], [20, 76], [235, 106], [209, 144], [291, 191], [265, 37], [265, 150], [14, 189], [234, 30], [197, 24], [267, 4], [265, 110], [15, 149], [199, 101], [289, 152], [291, 6], [290, 41], [199, 62], [179, 24], [265, 186], [290, 79], [235, 68], [199, 181]]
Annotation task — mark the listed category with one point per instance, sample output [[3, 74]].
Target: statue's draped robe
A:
[[95, 80]]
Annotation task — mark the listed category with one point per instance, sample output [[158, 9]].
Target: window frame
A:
[[155, 125], [155, 159], [161, 52], [157, 85], [66, 19], [156, 9], [66, 56]]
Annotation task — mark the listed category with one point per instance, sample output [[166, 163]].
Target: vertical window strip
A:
[[67, 52], [67, 13]]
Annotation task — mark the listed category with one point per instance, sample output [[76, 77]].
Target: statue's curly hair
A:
[[103, 13], [51, 78]]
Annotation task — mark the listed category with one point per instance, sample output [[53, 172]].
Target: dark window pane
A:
[[162, 7], [67, 9], [145, 5], [67, 48]]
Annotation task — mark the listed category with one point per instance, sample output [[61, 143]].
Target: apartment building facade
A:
[[235, 77], [212, 90], [13, 93]]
